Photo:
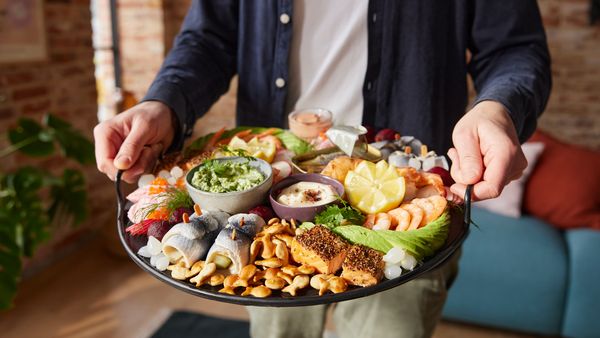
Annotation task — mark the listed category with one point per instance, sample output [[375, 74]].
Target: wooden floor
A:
[[95, 293]]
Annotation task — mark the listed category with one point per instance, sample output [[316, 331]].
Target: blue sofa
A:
[[524, 275]]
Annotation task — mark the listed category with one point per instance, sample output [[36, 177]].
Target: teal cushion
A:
[[582, 313], [513, 274]]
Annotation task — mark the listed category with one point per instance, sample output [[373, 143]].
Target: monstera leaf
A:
[[72, 143], [69, 196], [31, 139], [38, 140], [32, 200]]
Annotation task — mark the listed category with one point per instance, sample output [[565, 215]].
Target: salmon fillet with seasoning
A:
[[319, 248], [363, 266]]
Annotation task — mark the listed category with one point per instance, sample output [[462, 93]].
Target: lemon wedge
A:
[[374, 188], [263, 149]]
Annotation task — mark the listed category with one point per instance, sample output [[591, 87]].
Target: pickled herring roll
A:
[[231, 249], [191, 239]]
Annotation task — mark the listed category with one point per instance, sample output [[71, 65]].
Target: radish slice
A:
[[176, 172], [145, 180], [283, 155], [281, 170]]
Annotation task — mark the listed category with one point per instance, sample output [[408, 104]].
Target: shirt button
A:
[[280, 82], [374, 18], [369, 85], [284, 18]]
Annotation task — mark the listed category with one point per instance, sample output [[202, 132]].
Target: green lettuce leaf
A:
[[420, 243], [293, 142], [289, 140], [357, 234]]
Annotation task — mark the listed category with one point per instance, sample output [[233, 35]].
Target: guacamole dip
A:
[[226, 176]]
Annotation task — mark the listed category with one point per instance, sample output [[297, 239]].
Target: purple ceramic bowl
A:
[[301, 214]]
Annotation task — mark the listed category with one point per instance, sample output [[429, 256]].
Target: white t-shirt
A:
[[328, 58]]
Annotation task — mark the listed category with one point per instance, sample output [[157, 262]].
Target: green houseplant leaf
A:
[[69, 196], [30, 198], [30, 138], [73, 144]]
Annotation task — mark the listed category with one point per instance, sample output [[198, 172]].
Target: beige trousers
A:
[[410, 310]]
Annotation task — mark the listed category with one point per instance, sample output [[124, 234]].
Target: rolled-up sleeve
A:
[[200, 65], [510, 60]]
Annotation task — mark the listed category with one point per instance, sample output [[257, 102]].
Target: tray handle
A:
[[468, 200], [120, 200]]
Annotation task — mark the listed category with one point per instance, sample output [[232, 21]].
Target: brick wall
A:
[[573, 112], [63, 84], [175, 11], [142, 42]]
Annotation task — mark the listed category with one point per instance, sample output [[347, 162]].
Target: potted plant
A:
[[33, 200]]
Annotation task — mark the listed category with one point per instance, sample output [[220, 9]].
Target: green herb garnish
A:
[[170, 200], [225, 150], [336, 215]]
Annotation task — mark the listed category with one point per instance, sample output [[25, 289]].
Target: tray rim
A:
[[292, 301]]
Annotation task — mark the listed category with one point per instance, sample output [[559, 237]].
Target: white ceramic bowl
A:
[[237, 201]]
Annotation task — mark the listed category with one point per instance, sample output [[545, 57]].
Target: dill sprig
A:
[[172, 199]]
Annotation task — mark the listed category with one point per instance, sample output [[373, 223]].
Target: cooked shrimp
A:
[[383, 221], [435, 180], [369, 221], [410, 191], [416, 215], [400, 218], [427, 191], [427, 207], [422, 179], [433, 206], [440, 203], [380, 221]]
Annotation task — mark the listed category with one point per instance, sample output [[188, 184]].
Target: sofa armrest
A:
[[582, 310]]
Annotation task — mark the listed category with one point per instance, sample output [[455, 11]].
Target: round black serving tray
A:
[[459, 229]]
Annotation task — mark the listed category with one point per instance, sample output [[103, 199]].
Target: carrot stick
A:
[[269, 131], [223, 141], [216, 136], [243, 133], [247, 138]]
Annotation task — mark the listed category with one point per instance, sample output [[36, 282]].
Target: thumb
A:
[[130, 149], [470, 163]]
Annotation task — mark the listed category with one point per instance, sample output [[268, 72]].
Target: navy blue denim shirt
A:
[[416, 76]]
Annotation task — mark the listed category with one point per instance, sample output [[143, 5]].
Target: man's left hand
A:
[[487, 152]]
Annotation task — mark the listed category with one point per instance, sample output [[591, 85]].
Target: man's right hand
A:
[[134, 139]]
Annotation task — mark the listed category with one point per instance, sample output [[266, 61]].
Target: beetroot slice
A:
[[142, 227]]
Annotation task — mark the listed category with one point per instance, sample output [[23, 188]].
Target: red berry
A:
[[263, 211], [370, 135], [177, 215], [444, 174], [386, 134]]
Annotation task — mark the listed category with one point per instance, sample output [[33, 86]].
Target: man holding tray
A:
[[396, 64]]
